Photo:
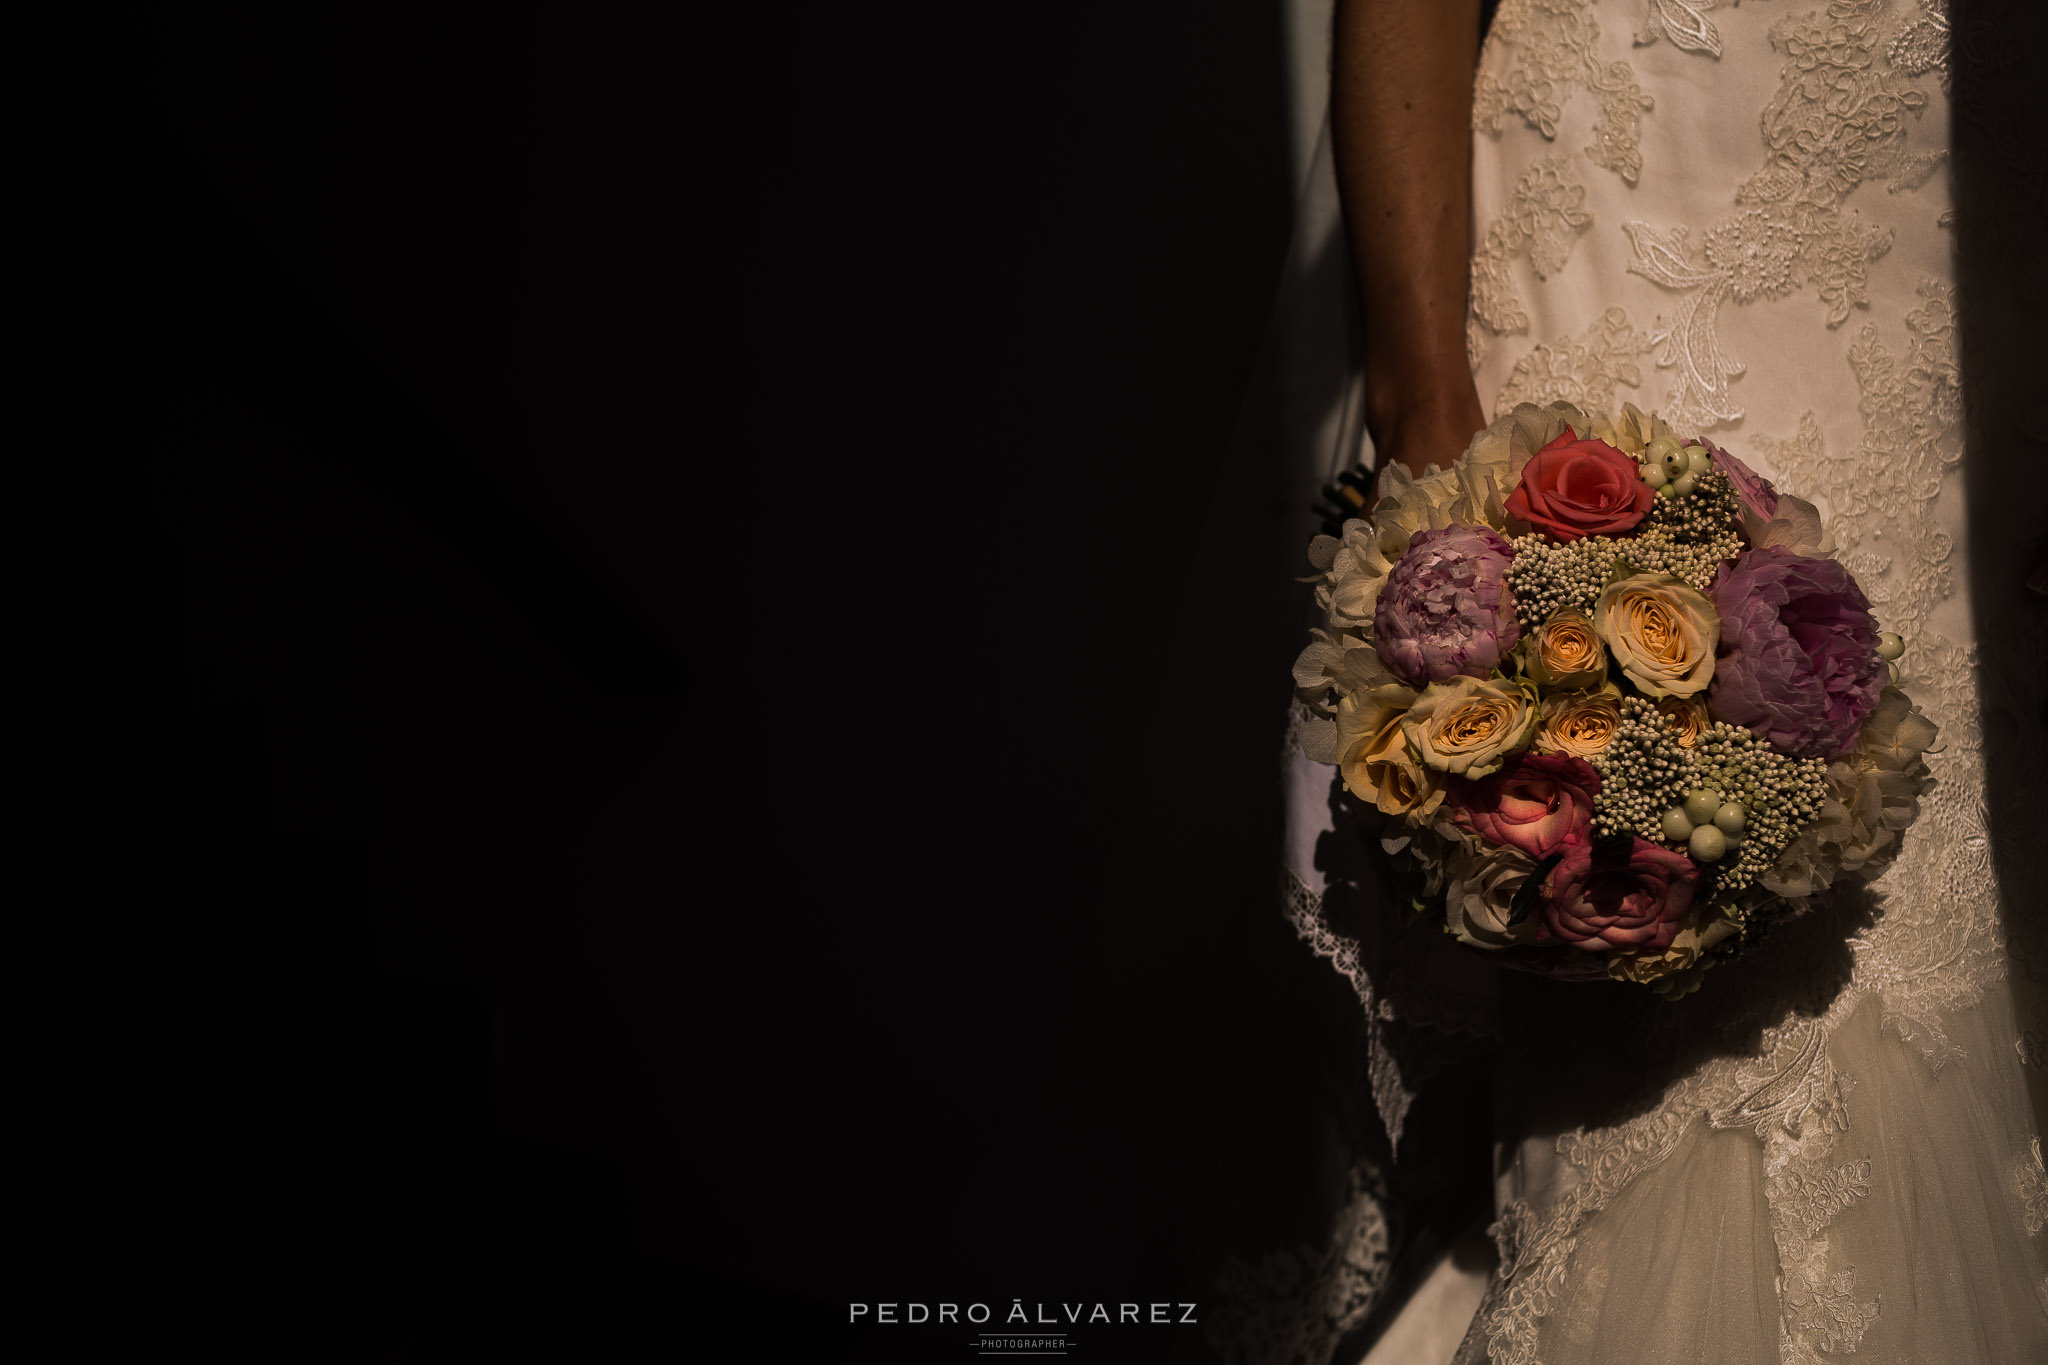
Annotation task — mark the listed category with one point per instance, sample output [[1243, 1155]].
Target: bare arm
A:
[[1401, 126]]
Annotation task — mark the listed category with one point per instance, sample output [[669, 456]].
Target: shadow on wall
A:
[[2001, 199]]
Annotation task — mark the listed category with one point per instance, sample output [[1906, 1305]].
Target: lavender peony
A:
[[1446, 611], [1798, 663]]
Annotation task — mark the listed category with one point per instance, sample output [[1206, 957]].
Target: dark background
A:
[[705, 704]]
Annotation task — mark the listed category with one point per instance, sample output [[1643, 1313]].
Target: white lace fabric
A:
[[1739, 216]]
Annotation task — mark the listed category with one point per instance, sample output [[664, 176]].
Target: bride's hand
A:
[[1418, 438]]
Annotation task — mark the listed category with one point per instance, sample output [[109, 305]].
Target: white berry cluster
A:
[[1544, 577], [1643, 773], [1753, 798]]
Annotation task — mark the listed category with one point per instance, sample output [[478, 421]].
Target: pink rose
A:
[[1573, 488], [1619, 896], [1753, 489], [1538, 803]]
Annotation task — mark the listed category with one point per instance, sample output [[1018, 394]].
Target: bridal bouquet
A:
[[1612, 706]]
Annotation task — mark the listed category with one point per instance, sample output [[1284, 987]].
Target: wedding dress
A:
[[1746, 218]]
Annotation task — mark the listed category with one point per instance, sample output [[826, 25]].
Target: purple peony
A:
[[1445, 609], [1755, 491], [1798, 661]]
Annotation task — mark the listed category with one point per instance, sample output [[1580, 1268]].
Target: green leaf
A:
[[1532, 891]]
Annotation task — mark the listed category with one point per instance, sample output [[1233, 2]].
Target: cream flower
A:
[[1795, 526], [1469, 726], [1482, 882], [1581, 724], [1336, 664], [1374, 758], [1662, 632], [1632, 432], [1356, 565], [1873, 794], [1565, 652]]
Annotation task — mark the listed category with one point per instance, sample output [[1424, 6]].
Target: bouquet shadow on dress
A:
[[1612, 707]]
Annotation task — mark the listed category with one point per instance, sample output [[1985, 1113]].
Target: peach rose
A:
[[1578, 723], [1662, 631], [1374, 758], [1565, 652], [1469, 727]]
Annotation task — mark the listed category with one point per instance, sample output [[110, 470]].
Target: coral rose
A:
[[1627, 896], [1574, 488], [1538, 803]]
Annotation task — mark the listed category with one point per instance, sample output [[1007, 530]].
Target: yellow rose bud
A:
[[1469, 726], [1578, 723], [1662, 632], [1565, 652]]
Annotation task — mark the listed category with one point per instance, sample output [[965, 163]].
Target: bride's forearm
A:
[[1400, 117]]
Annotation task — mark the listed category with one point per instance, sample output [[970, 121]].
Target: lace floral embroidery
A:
[[1911, 408], [1535, 1251], [1297, 1304], [1305, 912], [1827, 1311], [2030, 1182], [1684, 22], [1392, 997], [1812, 1202], [1837, 120], [1555, 53], [1922, 46], [1543, 220], [1583, 369], [1934, 949]]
